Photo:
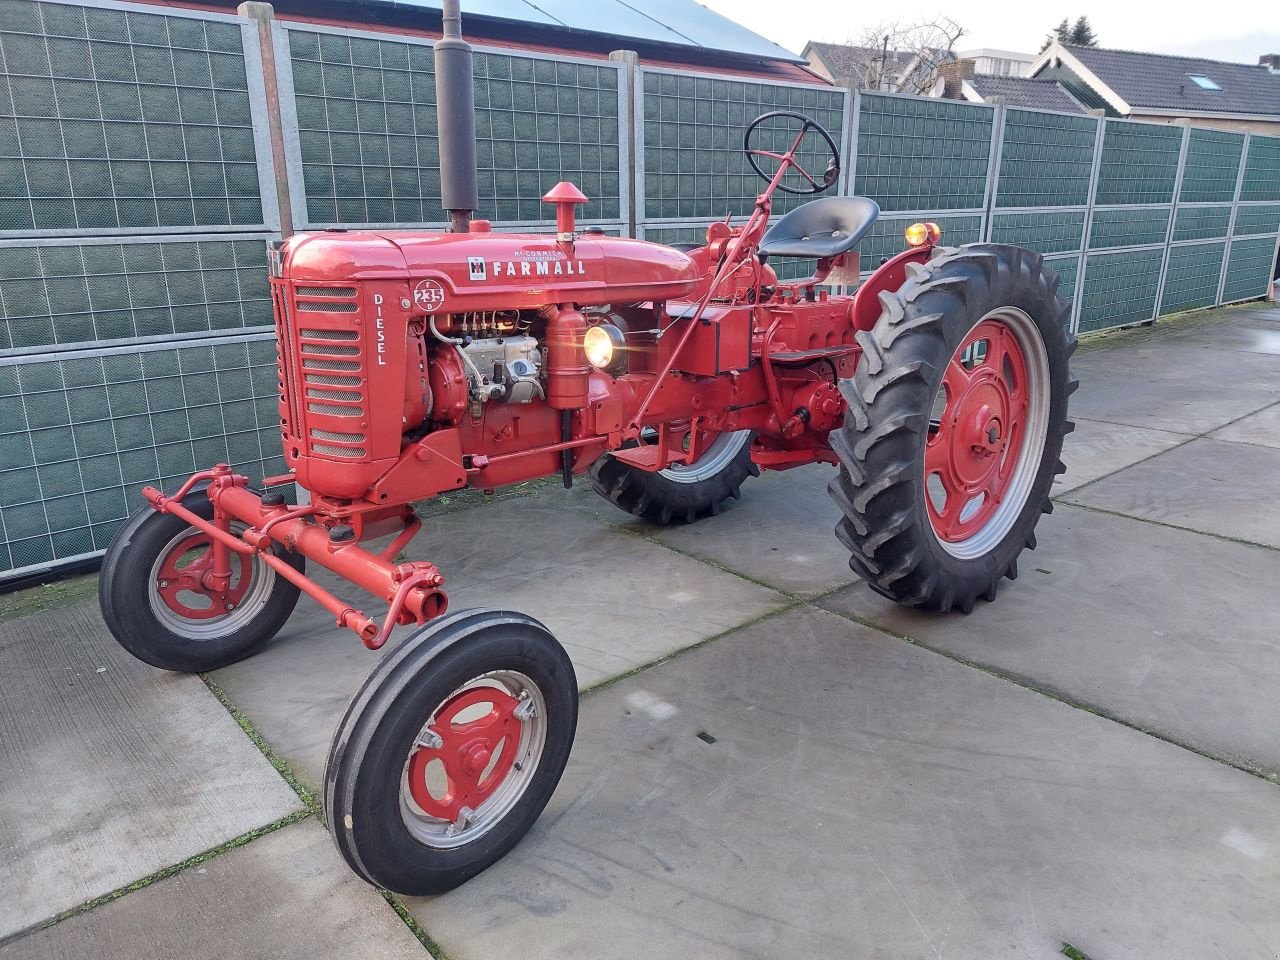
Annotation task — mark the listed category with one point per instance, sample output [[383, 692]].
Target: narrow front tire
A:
[[450, 750]]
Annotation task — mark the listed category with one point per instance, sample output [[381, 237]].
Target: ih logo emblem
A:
[[428, 295], [476, 266]]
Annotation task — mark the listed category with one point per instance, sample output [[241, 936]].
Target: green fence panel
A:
[[1119, 288], [1139, 162], [1201, 223], [692, 137], [1211, 166], [61, 294], [1250, 268], [113, 120], [885, 239], [787, 268], [1128, 228], [1049, 231], [1046, 159], [79, 437], [922, 153], [368, 140], [1256, 218], [1261, 180], [1191, 277]]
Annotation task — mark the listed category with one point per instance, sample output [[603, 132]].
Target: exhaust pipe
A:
[[456, 121]]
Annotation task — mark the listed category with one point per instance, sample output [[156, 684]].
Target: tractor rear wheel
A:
[[679, 494], [956, 418], [450, 750], [159, 606]]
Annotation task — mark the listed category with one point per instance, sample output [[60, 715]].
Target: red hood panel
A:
[[457, 273]]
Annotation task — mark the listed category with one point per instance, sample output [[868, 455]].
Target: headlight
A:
[[601, 344], [918, 234]]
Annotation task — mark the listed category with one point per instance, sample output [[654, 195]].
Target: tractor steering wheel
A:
[[829, 177]]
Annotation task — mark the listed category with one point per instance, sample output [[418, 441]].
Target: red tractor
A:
[[415, 363]]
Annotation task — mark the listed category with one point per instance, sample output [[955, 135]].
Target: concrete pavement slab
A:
[[1180, 406], [1173, 358], [1262, 428], [1208, 485], [1245, 336], [1096, 449], [285, 896], [111, 769], [782, 532], [1168, 630], [867, 798], [614, 600]]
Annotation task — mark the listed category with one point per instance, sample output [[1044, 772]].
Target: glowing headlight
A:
[[601, 344], [918, 234]]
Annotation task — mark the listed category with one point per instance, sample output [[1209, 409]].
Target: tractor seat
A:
[[826, 227]]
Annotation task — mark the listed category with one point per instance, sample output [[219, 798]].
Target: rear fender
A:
[[890, 275]]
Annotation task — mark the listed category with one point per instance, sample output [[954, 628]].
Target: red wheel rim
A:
[[976, 442], [474, 756], [186, 585]]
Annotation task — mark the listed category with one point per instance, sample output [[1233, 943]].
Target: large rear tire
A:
[[956, 418], [679, 494], [156, 607]]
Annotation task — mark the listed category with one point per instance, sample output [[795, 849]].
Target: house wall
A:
[[1269, 127]]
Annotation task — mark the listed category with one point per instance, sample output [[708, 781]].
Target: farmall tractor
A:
[[416, 363]]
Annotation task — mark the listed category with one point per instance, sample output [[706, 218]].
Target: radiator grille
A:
[[318, 394], [338, 437], [316, 306], [334, 410], [351, 453], [313, 361], [313, 334], [327, 363], [326, 291]]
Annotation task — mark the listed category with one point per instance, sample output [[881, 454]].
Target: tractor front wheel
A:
[[956, 418], [450, 750], [681, 493], [161, 605]]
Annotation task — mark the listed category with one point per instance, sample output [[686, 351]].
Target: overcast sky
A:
[[1236, 30]]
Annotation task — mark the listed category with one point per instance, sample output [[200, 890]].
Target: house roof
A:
[[1023, 92], [847, 59], [679, 23], [1157, 81]]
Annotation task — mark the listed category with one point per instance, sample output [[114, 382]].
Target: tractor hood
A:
[[481, 270]]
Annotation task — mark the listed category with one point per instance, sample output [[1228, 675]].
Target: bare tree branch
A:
[[898, 55]]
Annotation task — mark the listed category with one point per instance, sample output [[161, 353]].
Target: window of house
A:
[[1203, 82]]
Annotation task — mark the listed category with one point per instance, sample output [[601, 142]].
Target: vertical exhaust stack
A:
[[456, 121]]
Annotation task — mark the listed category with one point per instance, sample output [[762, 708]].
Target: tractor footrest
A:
[[646, 457]]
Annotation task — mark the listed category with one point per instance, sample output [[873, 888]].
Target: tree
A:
[[1082, 34], [900, 57], [1079, 34], [1061, 33]]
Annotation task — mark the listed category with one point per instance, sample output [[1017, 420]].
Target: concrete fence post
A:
[[628, 90], [262, 15]]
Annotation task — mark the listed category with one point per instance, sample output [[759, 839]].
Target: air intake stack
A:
[[456, 121]]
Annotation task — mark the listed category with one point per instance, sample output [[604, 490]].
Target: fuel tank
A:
[[482, 270]]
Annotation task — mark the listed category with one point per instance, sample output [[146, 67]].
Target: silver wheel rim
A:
[[260, 587], [996, 528], [715, 458], [444, 834]]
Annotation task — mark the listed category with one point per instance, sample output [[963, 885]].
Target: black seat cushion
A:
[[826, 227]]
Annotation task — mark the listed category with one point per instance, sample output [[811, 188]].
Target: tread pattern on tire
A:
[[880, 484]]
